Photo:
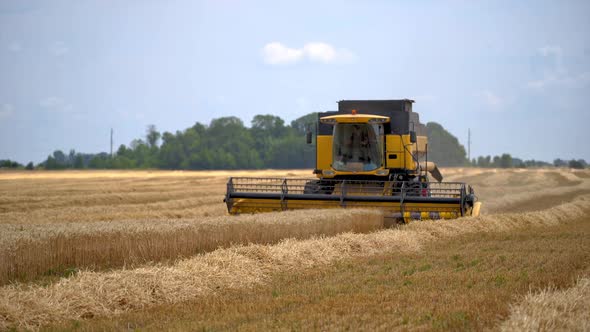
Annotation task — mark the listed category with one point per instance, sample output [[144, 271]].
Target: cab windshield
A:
[[357, 147]]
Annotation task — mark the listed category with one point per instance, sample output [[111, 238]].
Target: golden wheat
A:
[[552, 310], [55, 220], [58, 197], [28, 251], [90, 294]]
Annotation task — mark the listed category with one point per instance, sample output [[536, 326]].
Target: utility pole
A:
[[469, 144], [111, 142]]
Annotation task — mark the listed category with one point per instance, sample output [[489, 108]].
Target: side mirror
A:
[[413, 137], [308, 137]]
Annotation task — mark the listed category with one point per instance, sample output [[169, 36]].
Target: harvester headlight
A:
[[382, 172], [378, 120], [328, 121]]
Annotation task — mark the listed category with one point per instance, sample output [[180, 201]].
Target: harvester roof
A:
[[354, 118]]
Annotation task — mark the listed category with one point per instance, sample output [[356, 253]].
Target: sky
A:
[[517, 73]]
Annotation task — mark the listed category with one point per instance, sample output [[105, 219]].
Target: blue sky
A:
[[516, 73]]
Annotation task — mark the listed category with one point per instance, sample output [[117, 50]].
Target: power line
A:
[[111, 142], [469, 144]]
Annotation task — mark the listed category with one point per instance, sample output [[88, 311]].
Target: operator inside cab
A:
[[356, 147]]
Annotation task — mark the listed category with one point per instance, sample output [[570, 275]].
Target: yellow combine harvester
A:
[[369, 154]]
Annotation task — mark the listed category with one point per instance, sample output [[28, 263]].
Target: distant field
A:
[[156, 249]]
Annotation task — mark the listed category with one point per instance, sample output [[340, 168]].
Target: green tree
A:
[[443, 147], [506, 160], [7, 163], [270, 125], [577, 164], [30, 166], [172, 153], [78, 161], [231, 143], [152, 136], [60, 158], [57, 160], [100, 161], [496, 161], [122, 162], [290, 152], [123, 151], [303, 124], [483, 161], [266, 129]]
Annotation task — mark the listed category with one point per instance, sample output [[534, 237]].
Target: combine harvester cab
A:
[[369, 154]]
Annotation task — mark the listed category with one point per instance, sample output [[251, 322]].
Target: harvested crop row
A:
[[553, 310], [185, 208], [505, 191], [90, 294], [38, 198], [111, 193], [41, 201], [30, 251]]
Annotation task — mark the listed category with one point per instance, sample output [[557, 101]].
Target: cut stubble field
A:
[[155, 249]]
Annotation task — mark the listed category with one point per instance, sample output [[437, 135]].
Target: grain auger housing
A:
[[369, 154]]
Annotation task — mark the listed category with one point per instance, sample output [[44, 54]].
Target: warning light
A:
[[353, 112]]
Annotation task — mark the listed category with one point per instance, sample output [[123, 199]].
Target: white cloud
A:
[[59, 48], [56, 104], [6, 110], [276, 53], [320, 52]]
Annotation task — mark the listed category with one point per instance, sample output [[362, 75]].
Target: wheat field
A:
[[96, 250]]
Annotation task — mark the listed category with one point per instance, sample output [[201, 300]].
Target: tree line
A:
[[226, 143]]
